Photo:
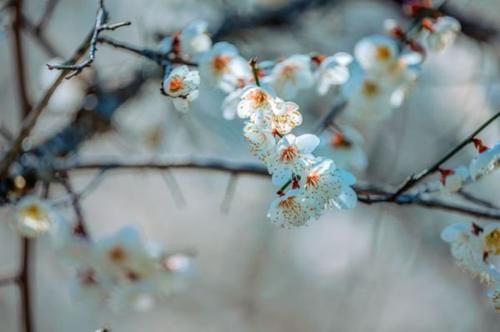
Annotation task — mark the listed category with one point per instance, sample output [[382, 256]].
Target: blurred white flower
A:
[[467, 249], [376, 52], [194, 39], [491, 239], [452, 180], [443, 33], [222, 66], [487, 161], [291, 157], [333, 70], [346, 147], [291, 75], [181, 86], [125, 257], [32, 216]]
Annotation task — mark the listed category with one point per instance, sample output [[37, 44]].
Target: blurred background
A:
[[376, 268]]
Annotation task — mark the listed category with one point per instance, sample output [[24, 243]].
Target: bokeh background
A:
[[376, 268]]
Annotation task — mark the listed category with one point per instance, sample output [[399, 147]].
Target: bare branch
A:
[[367, 193], [100, 26], [416, 178], [50, 7], [476, 200], [30, 121], [19, 59]]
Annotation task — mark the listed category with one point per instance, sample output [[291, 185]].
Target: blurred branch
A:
[[472, 25], [417, 177], [6, 281], [81, 228], [367, 193], [268, 17], [18, 50], [100, 26], [327, 120], [40, 38], [476, 200], [50, 7], [29, 122]]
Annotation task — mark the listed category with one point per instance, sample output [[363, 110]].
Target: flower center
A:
[[259, 98], [383, 53], [370, 89], [288, 203], [339, 141], [34, 214], [176, 84], [221, 62], [117, 254], [289, 153], [492, 242], [312, 179], [289, 72]]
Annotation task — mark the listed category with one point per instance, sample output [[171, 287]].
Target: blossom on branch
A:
[[181, 86]]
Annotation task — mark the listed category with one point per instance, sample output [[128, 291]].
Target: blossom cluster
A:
[[476, 249], [121, 270]]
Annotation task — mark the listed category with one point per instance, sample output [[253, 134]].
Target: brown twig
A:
[[50, 7]]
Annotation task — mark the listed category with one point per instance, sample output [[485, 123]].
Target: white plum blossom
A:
[[181, 86], [332, 71], [32, 216], [222, 66], [128, 273], [467, 248], [291, 157], [487, 161], [285, 119], [293, 209], [346, 147], [261, 141], [291, 75], [374, 95], [452, 180], [328, 185], [443, 33], [125, 257], [258, 105]]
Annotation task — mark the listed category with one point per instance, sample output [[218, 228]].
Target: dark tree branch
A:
[[268, 17], [31, 119], [367, 193], [476, 200], [81, 227], [19, 58]]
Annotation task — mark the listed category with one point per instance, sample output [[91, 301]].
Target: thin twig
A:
[[416, 178], [100, 26], [81, 227], [6, 281], [40, 38]]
